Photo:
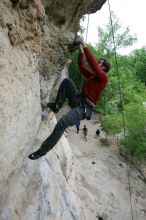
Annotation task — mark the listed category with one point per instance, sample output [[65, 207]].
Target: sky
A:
[[131, 13]]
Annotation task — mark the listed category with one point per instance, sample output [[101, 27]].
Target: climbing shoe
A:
[[36, 155], [53, 107]]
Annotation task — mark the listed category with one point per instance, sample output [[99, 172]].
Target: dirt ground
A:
[[101, 176]]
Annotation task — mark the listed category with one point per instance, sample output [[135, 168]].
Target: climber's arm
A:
[[100, 74], [83, 68]]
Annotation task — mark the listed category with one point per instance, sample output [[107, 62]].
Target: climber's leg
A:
[[67, 90], [70, 119]]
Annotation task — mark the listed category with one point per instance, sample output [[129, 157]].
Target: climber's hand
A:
[[68, 61]]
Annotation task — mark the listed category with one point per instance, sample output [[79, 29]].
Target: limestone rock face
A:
[[34, 39]]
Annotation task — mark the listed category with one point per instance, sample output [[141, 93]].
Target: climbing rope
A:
[[120, 93], [87, 28]]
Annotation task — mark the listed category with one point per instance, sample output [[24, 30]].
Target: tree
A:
[[122, 37], [135, 142], [139, 60], [74, 73]]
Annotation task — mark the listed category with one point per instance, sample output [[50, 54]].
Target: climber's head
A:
[[104, 64]]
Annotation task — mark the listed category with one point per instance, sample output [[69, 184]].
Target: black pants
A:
[[78, 112]]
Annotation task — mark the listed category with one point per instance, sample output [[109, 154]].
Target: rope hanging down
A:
[[87, 28], [117, 70]]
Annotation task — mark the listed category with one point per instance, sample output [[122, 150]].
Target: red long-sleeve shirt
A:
[[96, 79]]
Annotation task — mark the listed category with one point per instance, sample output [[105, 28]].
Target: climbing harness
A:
[[120, 93]]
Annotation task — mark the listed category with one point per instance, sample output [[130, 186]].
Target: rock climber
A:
[[81, 103]]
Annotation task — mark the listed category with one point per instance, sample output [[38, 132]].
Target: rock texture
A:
[[34, 39]]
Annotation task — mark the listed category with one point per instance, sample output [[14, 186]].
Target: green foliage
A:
[[135, 124], [139, 59], [122, 37], [135, 129], [124, 87], [74, 72], [112, 123], [105, 142]]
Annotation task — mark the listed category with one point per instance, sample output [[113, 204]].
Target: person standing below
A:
[[97, 132], [85, 132], [78, 126], [81, 103]]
